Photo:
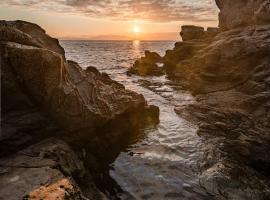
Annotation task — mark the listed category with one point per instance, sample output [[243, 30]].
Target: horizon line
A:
[[131, 40]]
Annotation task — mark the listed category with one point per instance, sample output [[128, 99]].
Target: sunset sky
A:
[[112, 19]]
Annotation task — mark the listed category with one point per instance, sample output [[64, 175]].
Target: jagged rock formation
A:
[[152, 64], [230, 78], [229, 73], [189, 32], [147, 65], [74, 97], [44, 95]]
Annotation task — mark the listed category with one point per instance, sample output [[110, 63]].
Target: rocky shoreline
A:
[[61, 126], [58, 120], [228, 71]]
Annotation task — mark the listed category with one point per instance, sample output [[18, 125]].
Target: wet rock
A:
[[148, 65], [153, 56]]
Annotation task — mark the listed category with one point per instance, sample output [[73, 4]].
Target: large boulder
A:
[[23, 32], [44, 95], [75, 98], [241, 13]]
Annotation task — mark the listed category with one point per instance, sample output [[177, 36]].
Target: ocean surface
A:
[[163, 164]]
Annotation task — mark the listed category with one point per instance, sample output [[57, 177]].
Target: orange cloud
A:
[[148, 10]]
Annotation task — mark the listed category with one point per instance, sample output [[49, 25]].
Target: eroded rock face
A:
[[44, 95], [153, 64], [29, 34], [77, 99], [234, 14], [189, 32], [229, 75]]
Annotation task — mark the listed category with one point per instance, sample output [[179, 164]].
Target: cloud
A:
[[149, 10]]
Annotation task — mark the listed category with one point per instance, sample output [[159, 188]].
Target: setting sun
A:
[[135, 99], [136, 29]]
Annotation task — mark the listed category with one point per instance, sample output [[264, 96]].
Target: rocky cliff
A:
[[228, 71], [235, 14], [42, 96]]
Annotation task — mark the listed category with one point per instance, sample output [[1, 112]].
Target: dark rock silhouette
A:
[[147, 65], [76, 98], [44, 95]]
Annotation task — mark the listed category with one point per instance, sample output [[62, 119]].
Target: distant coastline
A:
[[127, 40]]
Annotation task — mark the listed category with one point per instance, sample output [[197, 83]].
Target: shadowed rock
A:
[[44, 171], [44, 95], [77, 99], [229, 72], [147, 65]]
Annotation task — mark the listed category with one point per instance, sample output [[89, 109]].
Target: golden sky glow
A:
[[136, 29], [112, 19]]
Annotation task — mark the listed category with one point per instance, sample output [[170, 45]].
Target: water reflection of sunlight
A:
[[136, 43], [136, 48]]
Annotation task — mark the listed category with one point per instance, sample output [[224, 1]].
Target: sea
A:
[[164, 163]]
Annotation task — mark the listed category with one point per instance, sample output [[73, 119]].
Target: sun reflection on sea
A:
[[136, 48], [136, 43]]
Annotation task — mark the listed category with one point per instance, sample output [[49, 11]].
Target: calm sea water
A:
[[164, 163]]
